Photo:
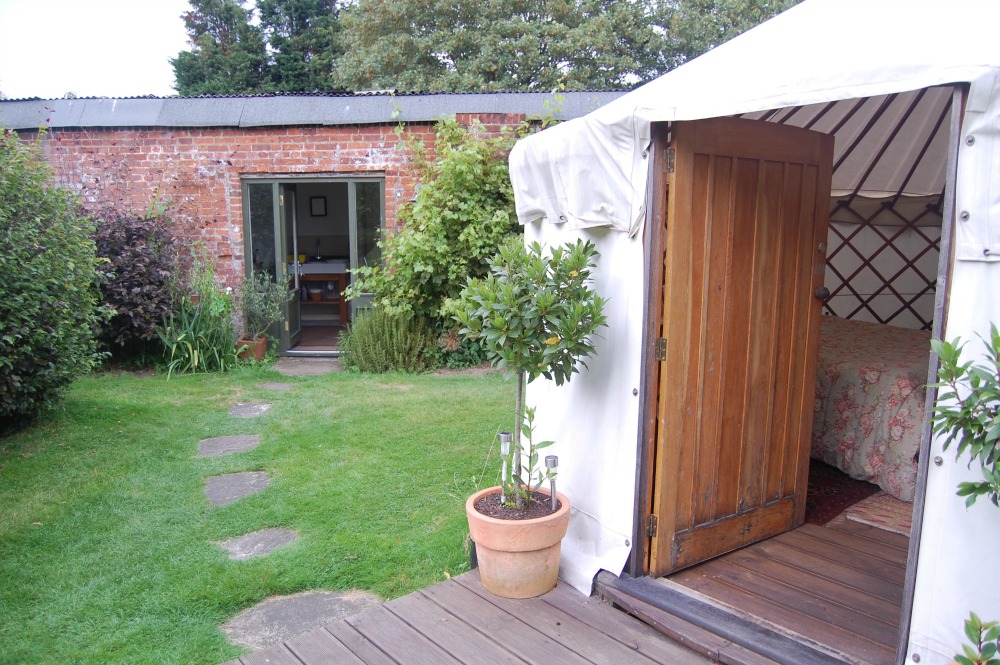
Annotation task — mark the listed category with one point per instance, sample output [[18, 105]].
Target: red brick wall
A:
[[196, 173]]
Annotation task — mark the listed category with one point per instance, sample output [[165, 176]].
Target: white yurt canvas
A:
[[877, 75]]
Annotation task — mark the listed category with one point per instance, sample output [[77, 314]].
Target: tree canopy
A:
[[445, 46], [291, 48]]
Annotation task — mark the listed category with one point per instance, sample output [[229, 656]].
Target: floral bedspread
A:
[[870, 402]]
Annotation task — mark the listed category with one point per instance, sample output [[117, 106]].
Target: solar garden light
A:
[[552, 463], [505, 439]]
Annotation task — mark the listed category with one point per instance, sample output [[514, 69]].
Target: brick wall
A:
[[196, 173]]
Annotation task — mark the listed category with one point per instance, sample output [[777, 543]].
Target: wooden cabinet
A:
[[328, 297]]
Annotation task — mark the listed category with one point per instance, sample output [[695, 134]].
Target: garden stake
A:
[[552, 463], [505, 438]]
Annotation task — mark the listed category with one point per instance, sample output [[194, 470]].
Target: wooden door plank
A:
[[707, 540], [520, 638], [737, 329], [776, 484], [816, 619], [318, 647], [573, 634], [449, 632], [397, 639], [789, 582], [625, 629], [718, 251], [358, 644], [851, 575]]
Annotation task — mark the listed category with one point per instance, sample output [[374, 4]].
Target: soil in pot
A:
[[490, 506]]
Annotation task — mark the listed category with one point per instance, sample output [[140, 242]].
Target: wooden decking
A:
[[460, 622], [816, 594]]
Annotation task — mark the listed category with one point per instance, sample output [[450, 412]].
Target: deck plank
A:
[[523, 640], [635, 635], [276, 655], [563, 628], [359, 645], [318, 647], [450, 633], [397, 639], [798, 613], [884, 536], [839, 551]]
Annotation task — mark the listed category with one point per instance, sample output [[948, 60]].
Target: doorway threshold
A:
[[312, 354]]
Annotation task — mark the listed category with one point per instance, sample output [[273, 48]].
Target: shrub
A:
[[261, 303], [380, 340], [48, 284], [463, 211], [140, 267]]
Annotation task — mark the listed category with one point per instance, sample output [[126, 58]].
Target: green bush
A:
[[48, 284], [464, 209], [141, 266], [380, 340]]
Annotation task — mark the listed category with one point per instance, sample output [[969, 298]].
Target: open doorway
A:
[[311, 233]]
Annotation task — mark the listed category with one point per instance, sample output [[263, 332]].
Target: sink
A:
[[324, 267]]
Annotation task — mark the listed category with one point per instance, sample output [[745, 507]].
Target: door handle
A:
[[822, 293]]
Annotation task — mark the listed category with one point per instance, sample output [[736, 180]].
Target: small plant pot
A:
[[255, 348], [517, 558]]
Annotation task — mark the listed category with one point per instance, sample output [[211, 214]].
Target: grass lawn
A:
[[106, 537]]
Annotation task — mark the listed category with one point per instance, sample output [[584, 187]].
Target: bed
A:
[[870, 402]]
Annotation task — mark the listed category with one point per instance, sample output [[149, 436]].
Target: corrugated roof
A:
[[283, 109]]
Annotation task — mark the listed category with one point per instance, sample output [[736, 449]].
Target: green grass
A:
[[106, 537]]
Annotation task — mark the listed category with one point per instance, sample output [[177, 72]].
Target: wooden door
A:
[[746, 220]]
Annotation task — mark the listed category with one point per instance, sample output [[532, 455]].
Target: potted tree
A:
[[534, 315], [261, 302]]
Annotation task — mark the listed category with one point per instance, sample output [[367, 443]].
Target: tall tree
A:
[[228, 54], [303, 40], [490, 45], [696, 26]]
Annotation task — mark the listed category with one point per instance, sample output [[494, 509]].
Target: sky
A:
[[92, 48]]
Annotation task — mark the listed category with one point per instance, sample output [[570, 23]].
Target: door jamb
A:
[[653, 239]]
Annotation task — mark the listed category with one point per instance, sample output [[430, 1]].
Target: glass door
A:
[[366, 213], [290, 265]]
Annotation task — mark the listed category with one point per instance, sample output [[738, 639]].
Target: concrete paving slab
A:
[[231, 487], [307, 366], [258, 543], [279, 618], [227, 445], [274, 385], [250, 409]]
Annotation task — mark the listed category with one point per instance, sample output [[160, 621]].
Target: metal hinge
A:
[[651, 526], [661, 349], [668, 163]]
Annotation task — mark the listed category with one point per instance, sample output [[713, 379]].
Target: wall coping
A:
[[288, 110]]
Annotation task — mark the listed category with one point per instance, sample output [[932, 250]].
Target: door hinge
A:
[[661, 349], [668, 163], [651, 523]]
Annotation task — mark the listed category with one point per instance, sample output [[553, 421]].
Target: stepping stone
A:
[[307, 366], [227, 445], [276, 386], [230, 487], [257, 543], [250, 409], [280, 618]]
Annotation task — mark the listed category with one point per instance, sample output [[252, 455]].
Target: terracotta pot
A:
[[517, 558], [256, 348]]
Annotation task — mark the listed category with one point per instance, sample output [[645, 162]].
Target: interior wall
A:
[[323, 235]]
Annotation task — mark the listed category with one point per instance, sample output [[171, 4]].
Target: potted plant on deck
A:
[[534, 315], [261, 302]]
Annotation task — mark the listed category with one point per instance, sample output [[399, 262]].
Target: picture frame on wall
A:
[[317, 206]]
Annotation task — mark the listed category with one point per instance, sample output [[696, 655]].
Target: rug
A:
[[883, 511], [832, 491]]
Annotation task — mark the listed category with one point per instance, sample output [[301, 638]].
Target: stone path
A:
[[307, 366], [227, 445], [257, 543], [249, 409], [225, 489], [281, 617]]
